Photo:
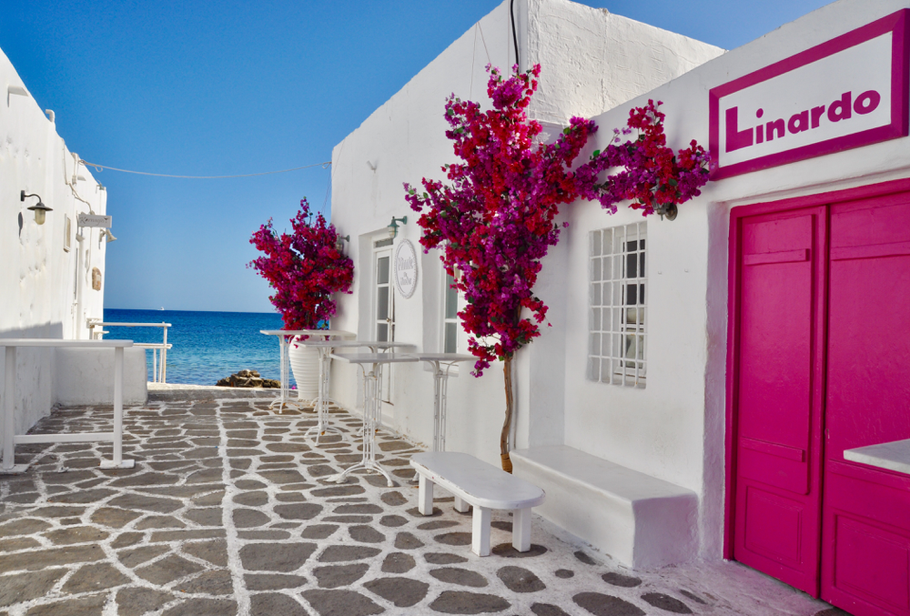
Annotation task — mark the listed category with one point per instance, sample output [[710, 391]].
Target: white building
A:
[[52, 275], [775, 329]]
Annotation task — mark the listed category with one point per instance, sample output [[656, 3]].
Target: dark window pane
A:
[[631, 295], [451, 342], [382, 303], [382, 270], [451, 299], [382, 332]]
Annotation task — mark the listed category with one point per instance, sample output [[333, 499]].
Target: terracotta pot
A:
[[305, 366]]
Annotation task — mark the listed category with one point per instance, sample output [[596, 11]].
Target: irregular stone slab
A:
[[319, 531], [209, 499], [366, 534], [518, 579], [209, 475], [247, 518], [159, 478], [249, 484], [341, 553], [338, 602], [285, 476], [298, 511], [114, 518], [454, 538], [168, 569], [290, 497], [186, 535], [283, 557], [697, 599], [407, 541], [343, 490], [124, 540], [462, 577], [398, 562], [264, 535], [155, 504], [203, 607], [393, 520], [442, 558], [394, 446], [505, 550], [547, 609], [42, 559], [59, 512], [201, 453], [275, 604], [438, 524], [273, 581], [139, 601], [133, 558], [89, 606], [67, 478], [287, 447], [322, 470], [335, 576], [159, 521], [606, 605], [22, 587], [252, 499], [92, 578], [214, 552], [393, 499], [21, 543], [209, 583], [666, 603], [564, 574], [464, 602], [82, 496], [618, 579], [402, 591], [348, 519], [584, 558]]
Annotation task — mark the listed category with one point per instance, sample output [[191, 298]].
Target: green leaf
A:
[[595, 154]]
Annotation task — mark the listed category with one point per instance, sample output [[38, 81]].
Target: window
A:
[[617, 316], [450, 316]]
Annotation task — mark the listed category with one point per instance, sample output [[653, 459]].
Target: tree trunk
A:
[[507, 424]]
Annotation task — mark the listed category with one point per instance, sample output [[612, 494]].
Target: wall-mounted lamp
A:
[[393, 226], [39, 208], [106, 235], [339, 243], [667, 209]]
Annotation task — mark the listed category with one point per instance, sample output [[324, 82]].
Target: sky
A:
[[194, 87]]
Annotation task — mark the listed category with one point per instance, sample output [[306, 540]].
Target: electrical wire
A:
[[514, 35], [98, 167]]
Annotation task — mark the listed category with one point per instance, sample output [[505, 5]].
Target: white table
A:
[[894, 456], [440, 385], [11, 439], [284, 338], [371, 406], [325, 347]]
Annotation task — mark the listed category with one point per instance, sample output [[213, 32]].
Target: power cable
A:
[[98, 167]]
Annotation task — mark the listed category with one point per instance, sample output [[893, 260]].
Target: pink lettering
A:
[[736, 139], [775, 126], [840, 109], [817, 113], [799, 122], [867, 102]]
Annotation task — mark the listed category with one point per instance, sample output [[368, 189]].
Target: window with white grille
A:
[[617, 317]]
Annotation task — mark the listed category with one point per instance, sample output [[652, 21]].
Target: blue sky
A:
[[190, 87]]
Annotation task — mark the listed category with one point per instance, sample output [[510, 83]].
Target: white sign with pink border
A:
[[845, 93]]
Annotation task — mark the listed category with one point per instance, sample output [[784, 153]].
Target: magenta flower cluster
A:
[[305, 268], [494, 218]]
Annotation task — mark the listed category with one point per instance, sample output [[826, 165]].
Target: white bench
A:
[[639, 520], [482, 485]]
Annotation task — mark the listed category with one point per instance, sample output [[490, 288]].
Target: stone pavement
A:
[[228, 512]]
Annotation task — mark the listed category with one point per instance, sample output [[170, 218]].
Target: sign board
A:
[[406, 269], [94, 220], [848, 92]]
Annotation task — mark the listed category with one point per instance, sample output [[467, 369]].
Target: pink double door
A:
[[820, 363]]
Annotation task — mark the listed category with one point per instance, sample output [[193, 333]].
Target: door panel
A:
[[866, 524], [778, 406]]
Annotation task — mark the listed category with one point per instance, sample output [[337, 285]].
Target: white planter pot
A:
[[305, 366]]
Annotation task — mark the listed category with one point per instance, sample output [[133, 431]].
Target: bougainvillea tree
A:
[[305, 268], [494, 219]]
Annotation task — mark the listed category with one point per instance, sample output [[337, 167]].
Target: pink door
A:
[[820, 345], [866, 523], [777, 446]]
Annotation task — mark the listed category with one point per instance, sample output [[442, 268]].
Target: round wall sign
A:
[[406, 268]]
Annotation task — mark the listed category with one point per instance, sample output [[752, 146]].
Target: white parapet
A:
[[86, 376], [639, 520]]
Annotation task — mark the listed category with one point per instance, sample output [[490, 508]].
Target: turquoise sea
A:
[[207, 346]]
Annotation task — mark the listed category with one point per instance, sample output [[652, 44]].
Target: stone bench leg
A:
[[480, 532], [462, 505], [521, 529], [425, 496]]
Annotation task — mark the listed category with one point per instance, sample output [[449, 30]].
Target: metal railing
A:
[[159, 368]]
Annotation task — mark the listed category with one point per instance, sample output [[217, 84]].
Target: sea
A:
[[207, 346]]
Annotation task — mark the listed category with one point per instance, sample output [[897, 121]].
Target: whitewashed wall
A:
[[42, 294], [674, 428], [591, 60]]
